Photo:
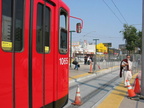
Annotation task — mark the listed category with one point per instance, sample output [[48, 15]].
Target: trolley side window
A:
[[43, 29], [63, 38], [12, 25]]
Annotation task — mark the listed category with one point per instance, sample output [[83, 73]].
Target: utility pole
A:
[[142, 72], [71, 46], [94, 66]]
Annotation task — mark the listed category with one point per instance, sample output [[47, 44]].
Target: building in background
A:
[[122, 47], [80, 49], [101, 48]]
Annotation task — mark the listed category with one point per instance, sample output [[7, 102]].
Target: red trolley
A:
[[34, 53]]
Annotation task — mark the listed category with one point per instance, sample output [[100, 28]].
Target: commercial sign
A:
[[108, 44]]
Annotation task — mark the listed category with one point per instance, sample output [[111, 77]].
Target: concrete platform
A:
[[117, 98]]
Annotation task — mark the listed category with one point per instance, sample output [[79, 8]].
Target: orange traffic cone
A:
[[91, 71], [128, 83], [130, 90], [137, 85], [77, 97]]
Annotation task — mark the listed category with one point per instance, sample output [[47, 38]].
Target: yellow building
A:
[[101, 48]]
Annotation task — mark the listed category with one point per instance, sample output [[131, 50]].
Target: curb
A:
[[89, 75]]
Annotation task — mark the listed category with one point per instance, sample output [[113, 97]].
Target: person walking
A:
[[76, 59], [76, 65], [126, 69], [75, 62]]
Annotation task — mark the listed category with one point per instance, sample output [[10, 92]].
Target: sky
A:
[[104, 19]]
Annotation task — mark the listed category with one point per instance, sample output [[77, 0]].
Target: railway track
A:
[[94, 89]]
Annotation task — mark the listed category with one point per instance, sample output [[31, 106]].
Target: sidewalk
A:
[[117, 98], [82, 72]]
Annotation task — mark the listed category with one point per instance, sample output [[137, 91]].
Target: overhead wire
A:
[[119, 11], [112, 12]]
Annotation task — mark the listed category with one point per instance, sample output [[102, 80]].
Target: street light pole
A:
[[142, 73], [71, 46], [94, 66]]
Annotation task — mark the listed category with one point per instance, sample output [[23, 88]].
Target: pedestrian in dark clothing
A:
[[85, 60], [91, 58]]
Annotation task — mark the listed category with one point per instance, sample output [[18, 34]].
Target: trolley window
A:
[[12, 25], [43, 29], [63, 39]]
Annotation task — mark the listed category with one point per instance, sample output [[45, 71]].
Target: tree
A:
[[132, 37]]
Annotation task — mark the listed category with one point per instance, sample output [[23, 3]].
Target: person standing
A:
[[85, 59], [91, 57], [126, 68], [88, 60]]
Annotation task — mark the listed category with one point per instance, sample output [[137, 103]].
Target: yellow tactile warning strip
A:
[[78, 76], [86, 74], [114, 99]]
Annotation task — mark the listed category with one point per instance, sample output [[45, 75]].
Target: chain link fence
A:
[[106, 61]]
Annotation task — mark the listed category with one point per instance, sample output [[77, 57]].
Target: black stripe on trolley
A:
[[30, 54], [13, 54], [43, 56]]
